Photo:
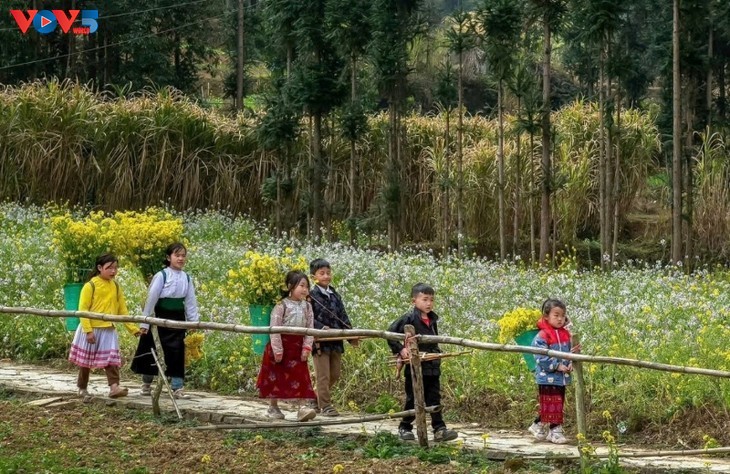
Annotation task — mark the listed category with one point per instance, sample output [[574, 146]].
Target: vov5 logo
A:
[[46, 21]]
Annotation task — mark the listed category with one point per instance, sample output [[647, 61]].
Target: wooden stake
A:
[[417, 378], [299, 424], [161, 378], [580, 403]]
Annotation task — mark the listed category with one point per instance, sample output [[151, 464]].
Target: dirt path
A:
[[210, 407]]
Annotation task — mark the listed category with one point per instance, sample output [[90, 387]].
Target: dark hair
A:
[[422, 288], [318, 263], [102, 260], [551, 303], [292, 280], [171, 249]]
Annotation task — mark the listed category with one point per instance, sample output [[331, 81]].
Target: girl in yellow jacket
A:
[[96, 342]]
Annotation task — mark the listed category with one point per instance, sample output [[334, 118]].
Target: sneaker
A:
[[118, 392], [274, 413], [557, 436], [306, 414], [329, 410], [146, 389], [444, 434], [83, 393], [539, 430], [406, 434], [180, 394]]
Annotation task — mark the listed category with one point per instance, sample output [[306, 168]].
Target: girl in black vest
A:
[[171, 296]]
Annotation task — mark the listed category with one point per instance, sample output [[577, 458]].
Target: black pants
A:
[[432, 396]]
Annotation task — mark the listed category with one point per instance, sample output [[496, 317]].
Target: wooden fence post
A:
[[161, 377], [419, 403], [580, 403]]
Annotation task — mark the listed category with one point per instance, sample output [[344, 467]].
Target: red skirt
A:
[[552, 399], [288, 379]]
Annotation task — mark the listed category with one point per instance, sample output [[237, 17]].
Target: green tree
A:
[[500, 22]]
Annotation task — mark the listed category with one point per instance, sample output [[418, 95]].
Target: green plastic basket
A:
[[525, 339], [260, 316], [71, 297]]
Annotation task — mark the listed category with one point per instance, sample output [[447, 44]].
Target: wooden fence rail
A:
[[370, 333], [458, 341]]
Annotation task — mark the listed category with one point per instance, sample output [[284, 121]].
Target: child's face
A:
[[556, 318], [177, 259], [323, 277], [423, 303], [108, 270], [300, 291]]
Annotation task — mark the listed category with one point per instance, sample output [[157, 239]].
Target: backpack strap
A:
[[93, 289]]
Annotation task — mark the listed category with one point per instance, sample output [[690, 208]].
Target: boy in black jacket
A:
[[423, 319], [329, 313]]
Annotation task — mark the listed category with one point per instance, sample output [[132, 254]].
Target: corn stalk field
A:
[[128, 153], [643, 310]]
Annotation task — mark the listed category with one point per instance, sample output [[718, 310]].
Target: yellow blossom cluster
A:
[[193, 347], [139, 237], [259, 278], [143, 236], [516, 322]]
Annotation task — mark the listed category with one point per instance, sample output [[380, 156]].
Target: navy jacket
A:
[[329, 311]]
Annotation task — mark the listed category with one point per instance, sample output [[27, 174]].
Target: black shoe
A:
[[406, 435], [443, 434]]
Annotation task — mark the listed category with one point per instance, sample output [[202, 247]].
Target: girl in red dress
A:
[[284, 370]]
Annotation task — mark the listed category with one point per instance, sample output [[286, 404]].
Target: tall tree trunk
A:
[[353, 157], [609, 177], [239, 61], [460, 160], [392, 157], [518, 190], [546, 147], [710, 40], [447, 185], [602, 154], [317, 176], [676, 141], [722, 96], [689, 112], [617, 173], [500, 171], [531, 200]]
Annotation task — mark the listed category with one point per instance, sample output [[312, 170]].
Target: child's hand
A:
[[143, 331], [405, 353], [278, 357], [305, 354], [575, 348], [90, 337], [354, 342], [138, 333]]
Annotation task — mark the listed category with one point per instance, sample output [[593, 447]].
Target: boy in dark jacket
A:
[[424, 320], [329, 313]]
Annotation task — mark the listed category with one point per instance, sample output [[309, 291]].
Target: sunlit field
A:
[[644, 311]]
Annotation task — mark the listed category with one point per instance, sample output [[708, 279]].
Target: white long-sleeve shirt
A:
[[177, 284]]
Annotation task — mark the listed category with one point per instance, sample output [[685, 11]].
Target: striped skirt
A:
[[104, 353]]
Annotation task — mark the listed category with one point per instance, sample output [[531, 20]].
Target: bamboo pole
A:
[[458, 341], [161, 378], [580, 404], [301, 424], [633, 454], [419, 403]]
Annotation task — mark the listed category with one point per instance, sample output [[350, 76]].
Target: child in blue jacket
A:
[[552, 374]]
